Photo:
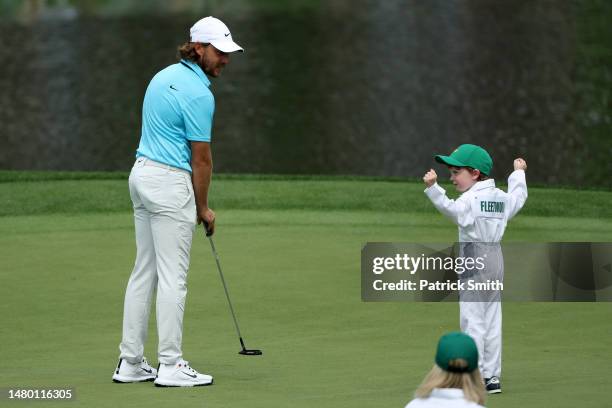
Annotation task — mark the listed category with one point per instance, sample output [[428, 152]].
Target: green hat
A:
[[457, 345], [468, 155]]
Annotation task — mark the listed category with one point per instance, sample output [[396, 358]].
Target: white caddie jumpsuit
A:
[[481, 213]]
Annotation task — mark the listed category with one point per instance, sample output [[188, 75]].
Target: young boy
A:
[[481, 213]]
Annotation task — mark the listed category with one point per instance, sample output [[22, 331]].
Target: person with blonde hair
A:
[[454, 381]]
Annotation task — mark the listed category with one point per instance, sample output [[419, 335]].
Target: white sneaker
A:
[[180, 375], [129, 373]]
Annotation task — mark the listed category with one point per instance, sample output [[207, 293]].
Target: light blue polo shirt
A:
[[178, 108]]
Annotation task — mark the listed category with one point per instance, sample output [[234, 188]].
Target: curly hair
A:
[[187, 51]]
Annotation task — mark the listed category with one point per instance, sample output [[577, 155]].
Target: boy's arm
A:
[[517, 188], [457, 211]]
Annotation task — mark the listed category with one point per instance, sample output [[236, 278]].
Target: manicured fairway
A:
[[294, 278]]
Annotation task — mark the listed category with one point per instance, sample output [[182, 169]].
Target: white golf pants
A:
[[164, 220]]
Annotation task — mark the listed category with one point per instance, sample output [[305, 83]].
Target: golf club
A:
[[244, 351]]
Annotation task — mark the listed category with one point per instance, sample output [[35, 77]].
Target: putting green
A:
[[294, 278]]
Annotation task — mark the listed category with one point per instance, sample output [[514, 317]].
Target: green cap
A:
[[468, 155], [457, 345]]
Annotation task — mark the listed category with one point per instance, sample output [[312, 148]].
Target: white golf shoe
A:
[[180, 375], [129, 373]]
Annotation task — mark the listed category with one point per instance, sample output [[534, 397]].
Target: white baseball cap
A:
[[212, 30]]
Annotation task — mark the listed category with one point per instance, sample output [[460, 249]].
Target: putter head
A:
[[247, 352]]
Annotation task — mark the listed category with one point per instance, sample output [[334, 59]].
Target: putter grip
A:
[[208, 232]]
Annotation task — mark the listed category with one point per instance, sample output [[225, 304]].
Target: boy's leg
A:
[[493, 315], [472, 321], [493, 341]]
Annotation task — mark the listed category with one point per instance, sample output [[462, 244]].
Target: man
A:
[[169, 189]]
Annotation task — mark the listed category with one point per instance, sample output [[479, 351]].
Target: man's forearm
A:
[[201, 177]]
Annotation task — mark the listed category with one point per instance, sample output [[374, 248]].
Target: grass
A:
[[290, 252], [68, 193]]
